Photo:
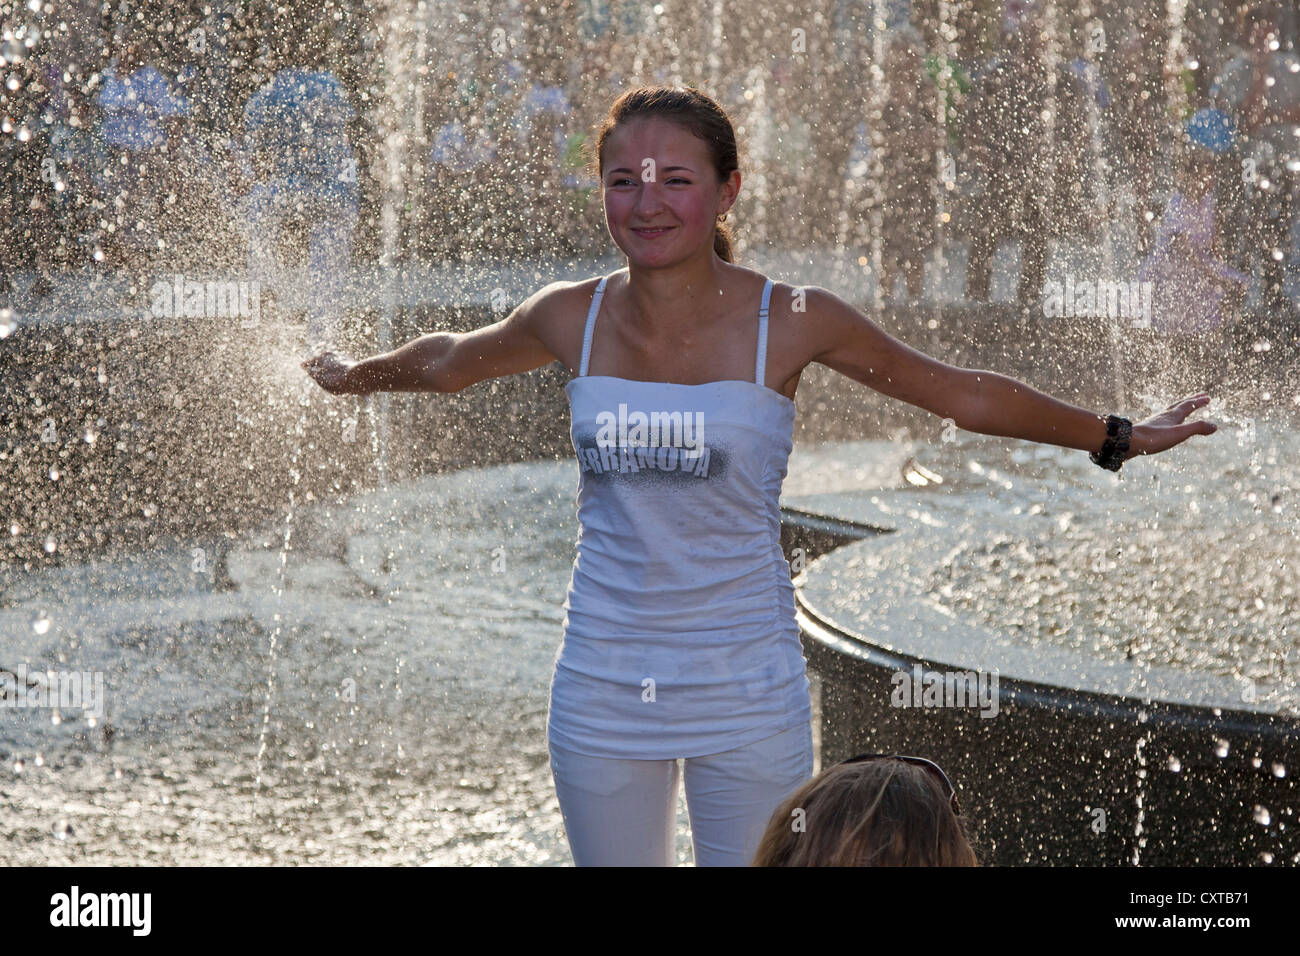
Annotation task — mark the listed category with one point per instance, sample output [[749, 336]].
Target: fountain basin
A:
[[1085, 762]]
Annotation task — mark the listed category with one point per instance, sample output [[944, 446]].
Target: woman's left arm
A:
[[978, 401], [1005, 406]]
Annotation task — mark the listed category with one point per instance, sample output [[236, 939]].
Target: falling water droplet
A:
[[1256, 762], [62, 829], [1261, 815], [1279, 770], [18, 765], [1175, 764], [54, 474], [50, 544], [55, 717], [41, 623], [1266, 857], [1220, 748]]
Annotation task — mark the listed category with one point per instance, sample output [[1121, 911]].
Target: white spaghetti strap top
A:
[[679, 633], [760, 362]]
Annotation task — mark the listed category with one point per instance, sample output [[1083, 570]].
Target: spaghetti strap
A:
[[760, 362], [591, 323]]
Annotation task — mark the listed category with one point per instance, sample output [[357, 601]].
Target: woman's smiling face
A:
[[662, 195]]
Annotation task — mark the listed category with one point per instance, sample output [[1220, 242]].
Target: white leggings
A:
[[624, 812]]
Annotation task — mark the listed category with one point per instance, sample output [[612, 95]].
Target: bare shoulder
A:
[[834, 333], [837, 326], [808, 321], [556, 313]]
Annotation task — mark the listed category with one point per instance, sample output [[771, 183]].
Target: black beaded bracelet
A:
[[1115, 449]]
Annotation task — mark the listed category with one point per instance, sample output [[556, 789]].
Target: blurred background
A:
[[170, 136]]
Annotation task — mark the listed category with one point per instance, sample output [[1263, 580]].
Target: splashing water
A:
[[1139, 841]]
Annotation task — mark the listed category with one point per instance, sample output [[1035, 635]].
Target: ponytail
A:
[[722, 242]]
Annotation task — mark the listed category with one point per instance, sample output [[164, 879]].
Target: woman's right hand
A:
[[330, 372]]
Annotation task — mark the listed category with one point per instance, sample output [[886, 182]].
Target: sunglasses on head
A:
[[929, 765]]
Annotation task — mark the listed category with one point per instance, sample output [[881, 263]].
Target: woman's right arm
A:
[[447, 361]]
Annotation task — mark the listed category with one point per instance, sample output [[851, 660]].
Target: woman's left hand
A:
[[1166, 429]]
